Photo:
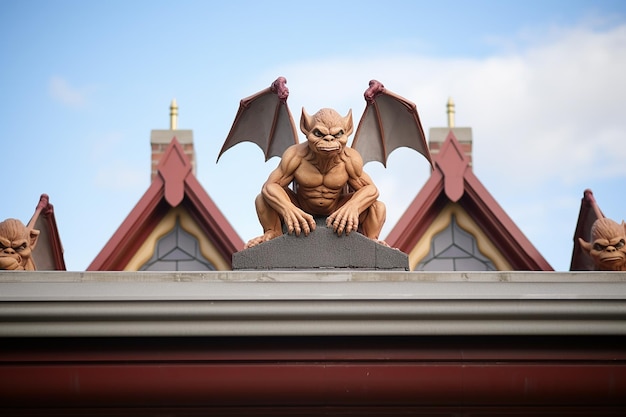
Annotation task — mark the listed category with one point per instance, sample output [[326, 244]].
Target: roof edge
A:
[[546, 304]]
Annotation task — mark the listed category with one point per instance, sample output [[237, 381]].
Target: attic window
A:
[[453, 249], [177, 251]]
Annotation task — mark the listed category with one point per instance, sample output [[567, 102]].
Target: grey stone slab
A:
[[322, 248]]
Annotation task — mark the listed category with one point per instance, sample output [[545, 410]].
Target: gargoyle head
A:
[[327, 131], [608, 246], [16, 245]]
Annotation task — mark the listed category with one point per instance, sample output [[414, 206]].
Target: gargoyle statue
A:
[[16, 245], [608, 246], [322, 176]]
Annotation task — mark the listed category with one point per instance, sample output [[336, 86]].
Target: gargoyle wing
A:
[[388, 122], [264, 119]]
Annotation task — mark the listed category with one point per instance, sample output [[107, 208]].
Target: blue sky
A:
[[541, 83]]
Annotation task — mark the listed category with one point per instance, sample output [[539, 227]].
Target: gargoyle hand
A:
[[298, 221], [345, 219]]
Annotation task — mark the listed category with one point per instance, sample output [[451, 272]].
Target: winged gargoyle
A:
[[322, 176]]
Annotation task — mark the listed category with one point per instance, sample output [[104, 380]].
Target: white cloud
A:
[[558, 106], [61, 90]]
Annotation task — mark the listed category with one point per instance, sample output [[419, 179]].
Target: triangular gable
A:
[[453, 181], [48, 252], [174, 186], [589, 213]]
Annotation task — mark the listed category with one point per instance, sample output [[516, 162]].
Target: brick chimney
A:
[[437, 135], [160, 140]]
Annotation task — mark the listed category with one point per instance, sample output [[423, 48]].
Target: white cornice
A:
[[310, 303]]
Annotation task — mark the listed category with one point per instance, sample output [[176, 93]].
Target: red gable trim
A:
[[174, 185], [44, 218], [419, 215], [174, 168], [501, 229], [588, 214], [453, 164], [453, 180]]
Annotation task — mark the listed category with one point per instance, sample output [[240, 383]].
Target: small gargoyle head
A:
[[16, 245], [608, 245]]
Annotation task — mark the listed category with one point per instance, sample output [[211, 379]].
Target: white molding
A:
[[310, 303]]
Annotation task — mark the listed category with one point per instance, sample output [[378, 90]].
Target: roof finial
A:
[[173, 115], [450, 112]]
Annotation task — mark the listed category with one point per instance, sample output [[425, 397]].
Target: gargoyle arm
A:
[[275, 192]]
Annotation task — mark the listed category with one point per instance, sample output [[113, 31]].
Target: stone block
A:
[[322, 248]]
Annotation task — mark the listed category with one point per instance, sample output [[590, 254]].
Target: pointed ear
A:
[[624, 226], [585, 245], [306, 122], [34, 236], [348, 125]]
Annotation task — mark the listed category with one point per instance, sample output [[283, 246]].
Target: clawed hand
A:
[[297, 221], [345, 219]]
